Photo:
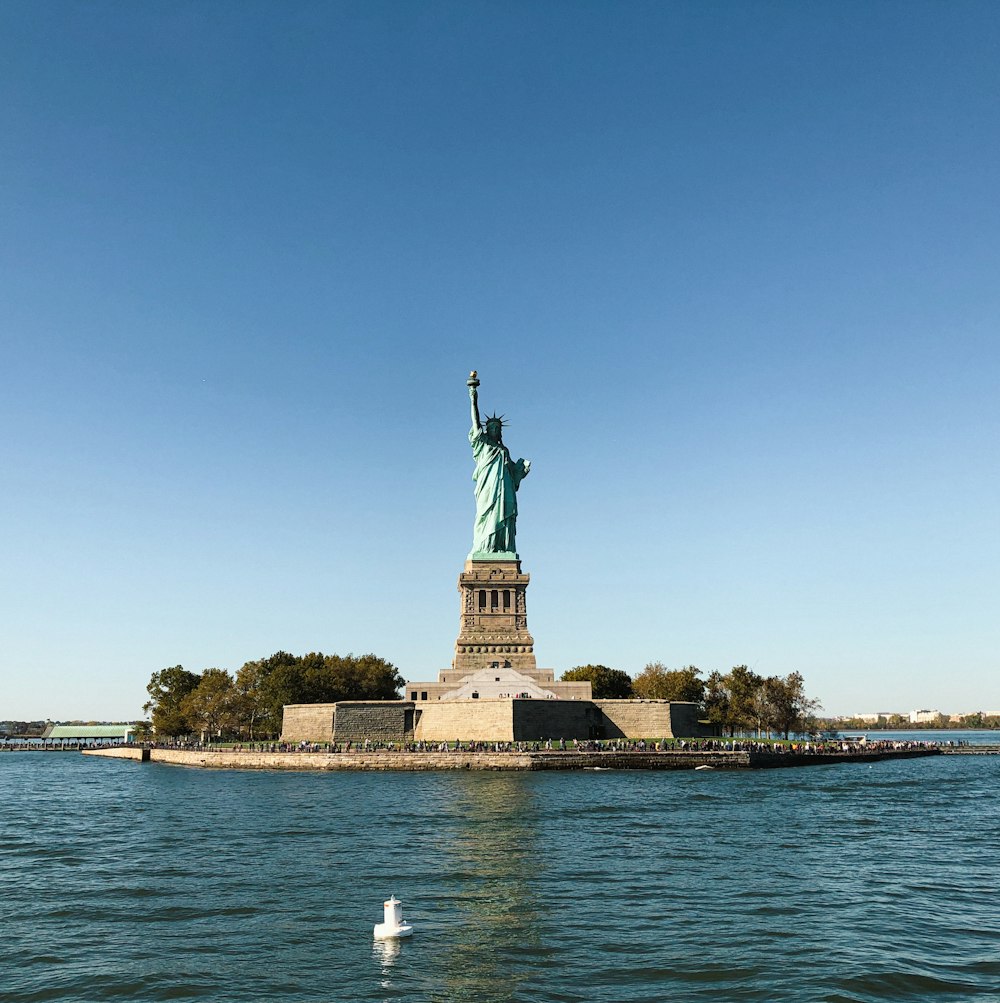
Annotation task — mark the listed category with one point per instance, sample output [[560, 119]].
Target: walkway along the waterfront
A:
[[232, 759]]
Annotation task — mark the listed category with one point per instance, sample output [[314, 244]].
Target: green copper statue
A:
[[497, 478]]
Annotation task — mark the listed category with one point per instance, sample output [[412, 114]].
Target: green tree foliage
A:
[[716, 700], [143, 731], [605, 683], [167, 690], [319, 678], [789, 709], [742, 701], [212, 708], [250, 706], [657, 682], [268, 684], [252, 700]]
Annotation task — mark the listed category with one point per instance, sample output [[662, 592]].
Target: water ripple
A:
[[836, 883]]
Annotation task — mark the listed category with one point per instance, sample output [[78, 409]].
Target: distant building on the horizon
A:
[[924, 716]]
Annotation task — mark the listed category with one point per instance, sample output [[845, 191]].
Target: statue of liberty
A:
[[497, 478]]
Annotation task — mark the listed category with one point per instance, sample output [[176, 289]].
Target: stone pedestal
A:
[[494, 619], [494, 654]]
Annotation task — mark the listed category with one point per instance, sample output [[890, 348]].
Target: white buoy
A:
[[392, 924]]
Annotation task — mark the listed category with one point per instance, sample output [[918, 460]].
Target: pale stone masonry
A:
[[309, 719], [400, 721], [495, 654]]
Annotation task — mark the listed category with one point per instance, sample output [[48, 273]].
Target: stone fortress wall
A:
[[400, 721], [309, 719]]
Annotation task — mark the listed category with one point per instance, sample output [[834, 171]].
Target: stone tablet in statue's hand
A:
[[527, 466]]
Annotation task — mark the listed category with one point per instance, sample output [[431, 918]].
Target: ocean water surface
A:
[[126, 881]]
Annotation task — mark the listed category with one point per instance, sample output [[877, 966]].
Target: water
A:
[[124, 881]]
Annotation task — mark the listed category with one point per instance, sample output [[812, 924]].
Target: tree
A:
[[744, 703], [251, 700], [363, 677], [270, 683], [167, 690], [717, 700], [656, 682], [772, 703], [212, 707], [741, 700], [813, 726], [763, 703], [605, 683], [789, 707], [143, 731]]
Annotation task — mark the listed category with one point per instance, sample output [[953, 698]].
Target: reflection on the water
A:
[[491, 850], [385, 953]]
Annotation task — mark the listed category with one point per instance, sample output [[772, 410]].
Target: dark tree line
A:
[[739, 701], [742, 701], [655, 682], [249, 705]]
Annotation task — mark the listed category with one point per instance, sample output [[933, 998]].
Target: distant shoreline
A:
[[847, 729]]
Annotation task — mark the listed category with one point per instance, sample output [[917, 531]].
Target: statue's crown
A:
[[498, 418]]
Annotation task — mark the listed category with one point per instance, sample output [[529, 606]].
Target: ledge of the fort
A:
[[421, 761]]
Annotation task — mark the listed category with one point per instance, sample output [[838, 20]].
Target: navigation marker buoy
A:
[[392, 924]]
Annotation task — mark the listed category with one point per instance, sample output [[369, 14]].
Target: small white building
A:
[[924, 716]]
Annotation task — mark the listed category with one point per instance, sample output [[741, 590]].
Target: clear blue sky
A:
[[732, 270]]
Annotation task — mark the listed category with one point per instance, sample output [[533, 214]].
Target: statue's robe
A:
[[497, 478]]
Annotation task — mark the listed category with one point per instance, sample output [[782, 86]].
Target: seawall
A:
[[387, 760]]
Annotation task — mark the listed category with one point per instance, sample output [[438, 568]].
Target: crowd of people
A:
[[616, 745]]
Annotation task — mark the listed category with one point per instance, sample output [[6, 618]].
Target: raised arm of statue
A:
[[474, 397], [473, 384]]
